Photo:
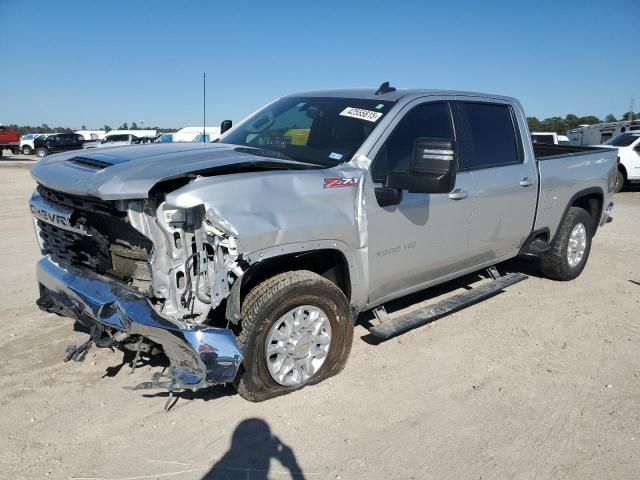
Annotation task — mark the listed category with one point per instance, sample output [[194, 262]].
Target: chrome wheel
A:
[[297, 345], [577, 245]]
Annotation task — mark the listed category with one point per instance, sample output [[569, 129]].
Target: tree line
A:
[[562, 125], [45, 128]]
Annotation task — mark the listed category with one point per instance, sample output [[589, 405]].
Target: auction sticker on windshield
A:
[[361, 113]]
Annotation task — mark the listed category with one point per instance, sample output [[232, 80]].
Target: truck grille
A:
[[112, 247], [74, 248]]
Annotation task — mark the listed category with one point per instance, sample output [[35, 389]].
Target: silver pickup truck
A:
[[248, 260]]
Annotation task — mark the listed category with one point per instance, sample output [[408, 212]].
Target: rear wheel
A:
[[570, 249], [27, 150], [620, 179], [297, 330], [41, 152]]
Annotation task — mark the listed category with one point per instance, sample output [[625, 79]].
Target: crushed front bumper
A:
[[199, 357]]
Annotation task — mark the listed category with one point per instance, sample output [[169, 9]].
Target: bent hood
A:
[[129, 172]]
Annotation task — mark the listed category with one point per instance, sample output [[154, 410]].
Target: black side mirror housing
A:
[[432, 169], [225, 125]]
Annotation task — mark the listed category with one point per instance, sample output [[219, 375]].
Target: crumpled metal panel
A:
[[199, 356]]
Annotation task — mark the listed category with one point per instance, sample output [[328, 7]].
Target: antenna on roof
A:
[[204, 106], [385, 88]]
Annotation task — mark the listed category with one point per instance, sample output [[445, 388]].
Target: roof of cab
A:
[[370, 93]]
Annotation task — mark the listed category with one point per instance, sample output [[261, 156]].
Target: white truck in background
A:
[[550, 138], [190, 134], [628, 145]]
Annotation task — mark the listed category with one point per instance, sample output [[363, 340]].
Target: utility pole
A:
[[630, 114], [204, 106]]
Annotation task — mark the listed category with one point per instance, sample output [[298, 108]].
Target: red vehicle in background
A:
[[9, 140]]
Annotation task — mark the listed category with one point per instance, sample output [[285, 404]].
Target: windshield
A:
[[623, 139], [319, 130]]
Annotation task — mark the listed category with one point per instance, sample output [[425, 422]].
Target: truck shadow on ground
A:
[[253, 445], [529, 265]]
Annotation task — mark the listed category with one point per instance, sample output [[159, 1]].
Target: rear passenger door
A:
[[504, 175]]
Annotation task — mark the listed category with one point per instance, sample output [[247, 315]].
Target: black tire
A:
[[15, 150], [619, 182], [27, 150], [265, 304], [41, 152], [554, 262]]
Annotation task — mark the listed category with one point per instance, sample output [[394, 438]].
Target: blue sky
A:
[[72, 63]]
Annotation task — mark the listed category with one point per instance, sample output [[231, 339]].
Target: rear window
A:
[[623, 139], [491, 135]]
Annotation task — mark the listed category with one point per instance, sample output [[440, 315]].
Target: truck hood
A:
[[128, 172]]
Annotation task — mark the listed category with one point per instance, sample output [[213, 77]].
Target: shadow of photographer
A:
[[249, 458]]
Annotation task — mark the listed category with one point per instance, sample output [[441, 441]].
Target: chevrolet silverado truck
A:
[[247, 260]]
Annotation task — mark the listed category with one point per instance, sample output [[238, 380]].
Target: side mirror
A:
[[225, 125], [432, 169]]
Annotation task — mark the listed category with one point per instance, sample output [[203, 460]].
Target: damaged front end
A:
[[139, 271]]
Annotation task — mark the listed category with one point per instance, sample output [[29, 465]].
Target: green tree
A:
[[124, 126], [107, 128], [134, 126], [571, 121], [84, 127], [610, 118], [554, 124], [630, 115], [534, 124], [589, 120]]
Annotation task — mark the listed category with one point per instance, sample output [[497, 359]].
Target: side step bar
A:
[[390, 327]]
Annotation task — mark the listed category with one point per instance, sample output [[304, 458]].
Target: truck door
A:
[[504, 177], [425, 236]]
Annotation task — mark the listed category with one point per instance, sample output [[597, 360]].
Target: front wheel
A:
[[570, 249], [27, 150], [297, 330], [41, 152]]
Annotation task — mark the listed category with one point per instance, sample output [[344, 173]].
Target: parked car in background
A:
[[92, 135], [261, 249], [57, 142], [628, 146], [119, 139], [550, 138], [9, 139]]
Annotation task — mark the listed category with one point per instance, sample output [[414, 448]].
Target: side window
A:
[[491, 135], [426, 120]]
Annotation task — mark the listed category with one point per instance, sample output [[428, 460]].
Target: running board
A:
[[390, 327]]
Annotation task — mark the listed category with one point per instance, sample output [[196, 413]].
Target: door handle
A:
[[526, 182], [458, 194]]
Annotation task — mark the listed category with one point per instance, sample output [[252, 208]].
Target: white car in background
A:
[[628, 145], [190, 134], [26, 142], [115, 140]]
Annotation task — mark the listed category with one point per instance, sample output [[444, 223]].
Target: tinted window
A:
[[623, 139], [426, 120], [490, 135]]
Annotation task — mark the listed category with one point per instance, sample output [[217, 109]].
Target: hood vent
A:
[[97, 162], [89, 162]]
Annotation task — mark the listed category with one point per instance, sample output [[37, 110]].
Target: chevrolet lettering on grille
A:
[[54, 215]]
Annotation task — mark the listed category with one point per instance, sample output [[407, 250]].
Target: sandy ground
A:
[[542, 381]]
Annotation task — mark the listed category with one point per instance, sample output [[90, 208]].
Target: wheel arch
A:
[[590, 199]]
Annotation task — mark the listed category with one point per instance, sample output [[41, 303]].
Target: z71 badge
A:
[[340, 182]]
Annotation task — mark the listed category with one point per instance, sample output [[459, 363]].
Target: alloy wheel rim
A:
[[297, 345], [577, 245]]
